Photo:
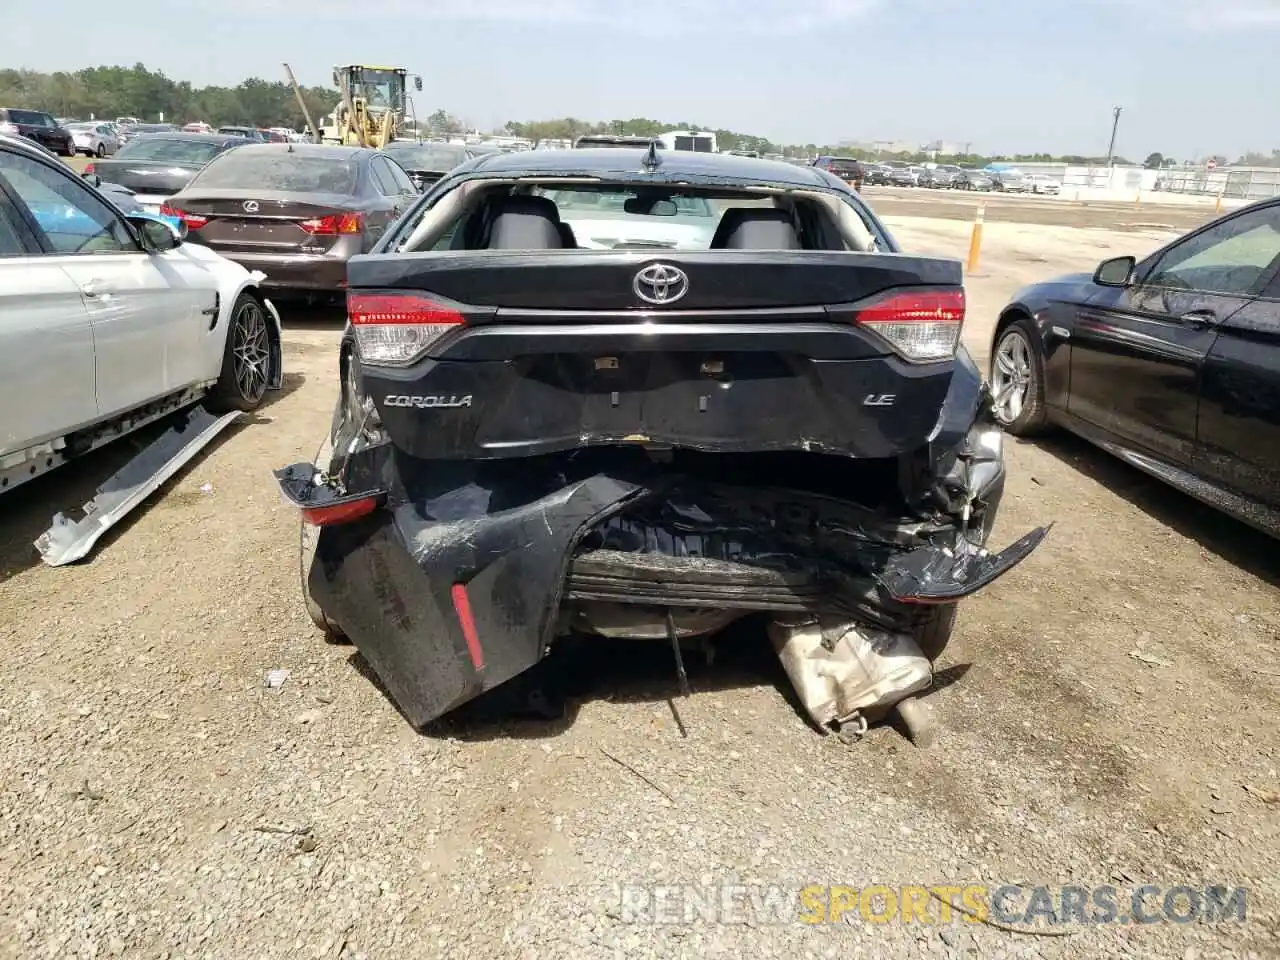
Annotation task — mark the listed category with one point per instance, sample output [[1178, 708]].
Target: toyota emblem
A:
[[661, 283], [251, 206]]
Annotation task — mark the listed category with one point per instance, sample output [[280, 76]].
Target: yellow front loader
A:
[[375, 101]]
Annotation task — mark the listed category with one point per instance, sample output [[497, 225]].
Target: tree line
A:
[[103, 93], [112, 91]]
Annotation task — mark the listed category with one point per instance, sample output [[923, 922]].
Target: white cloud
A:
[[674, 19]]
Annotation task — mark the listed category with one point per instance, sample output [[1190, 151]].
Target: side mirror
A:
[[158, 235], [92, 178], [1116, 272]]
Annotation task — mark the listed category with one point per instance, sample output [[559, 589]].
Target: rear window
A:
[[695, 144], [436, 158], [613, 203], [162, 148], [843, 166], [273, 169]]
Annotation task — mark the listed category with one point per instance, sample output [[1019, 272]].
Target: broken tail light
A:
[[194, 221], [343, 512], [396, 328], [334, 224], [920, 325]]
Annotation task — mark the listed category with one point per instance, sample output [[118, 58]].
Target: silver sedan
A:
[[94, 139]]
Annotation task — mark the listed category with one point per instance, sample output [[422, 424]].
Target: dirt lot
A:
[[148, 771]]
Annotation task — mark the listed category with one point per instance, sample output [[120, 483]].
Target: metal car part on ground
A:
[[533, 440]]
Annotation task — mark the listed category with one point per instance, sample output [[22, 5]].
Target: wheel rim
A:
[[1012, 374], [101, 151], [250, 351]]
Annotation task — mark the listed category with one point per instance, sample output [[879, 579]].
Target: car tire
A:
[[246, 357], [1017, 366], [101, 151]]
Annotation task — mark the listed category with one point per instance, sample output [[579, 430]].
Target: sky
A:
[[1194, 77]]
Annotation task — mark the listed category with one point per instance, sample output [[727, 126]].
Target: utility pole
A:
[[1115, 122]]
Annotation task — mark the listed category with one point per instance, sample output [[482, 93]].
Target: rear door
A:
[[1239, 424], [404, 186], [46, 342], [144, 313], [393, 198]]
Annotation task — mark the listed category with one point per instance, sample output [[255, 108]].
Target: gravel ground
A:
[[1107, 712]]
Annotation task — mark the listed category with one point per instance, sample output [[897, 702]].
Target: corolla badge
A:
[[661, 283]]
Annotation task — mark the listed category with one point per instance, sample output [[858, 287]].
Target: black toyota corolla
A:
[[534, 440]]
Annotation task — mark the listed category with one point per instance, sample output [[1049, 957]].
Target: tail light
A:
[[394, 329], [87, 171], [334, 224], [346, 511], [194, 221], [922, 326]]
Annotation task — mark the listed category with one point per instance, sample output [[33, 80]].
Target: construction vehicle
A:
[[374, 105]]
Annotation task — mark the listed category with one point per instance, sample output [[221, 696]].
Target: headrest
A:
[[525, 223], [755, 228], [526, 204]]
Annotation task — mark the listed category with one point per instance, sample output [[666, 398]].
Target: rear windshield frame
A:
[[707, 186]]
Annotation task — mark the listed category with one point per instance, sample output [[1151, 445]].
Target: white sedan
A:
[[1040, 183], [109, 321]]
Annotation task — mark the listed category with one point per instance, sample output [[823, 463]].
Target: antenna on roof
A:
[[651, 160]]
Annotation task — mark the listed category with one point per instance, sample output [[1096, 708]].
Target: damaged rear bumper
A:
[[458, 581]]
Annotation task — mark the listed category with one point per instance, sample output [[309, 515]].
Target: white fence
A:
[[1232, 183]]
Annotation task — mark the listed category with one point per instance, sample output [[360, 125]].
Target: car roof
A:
[[333, 152], [625, 163]]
